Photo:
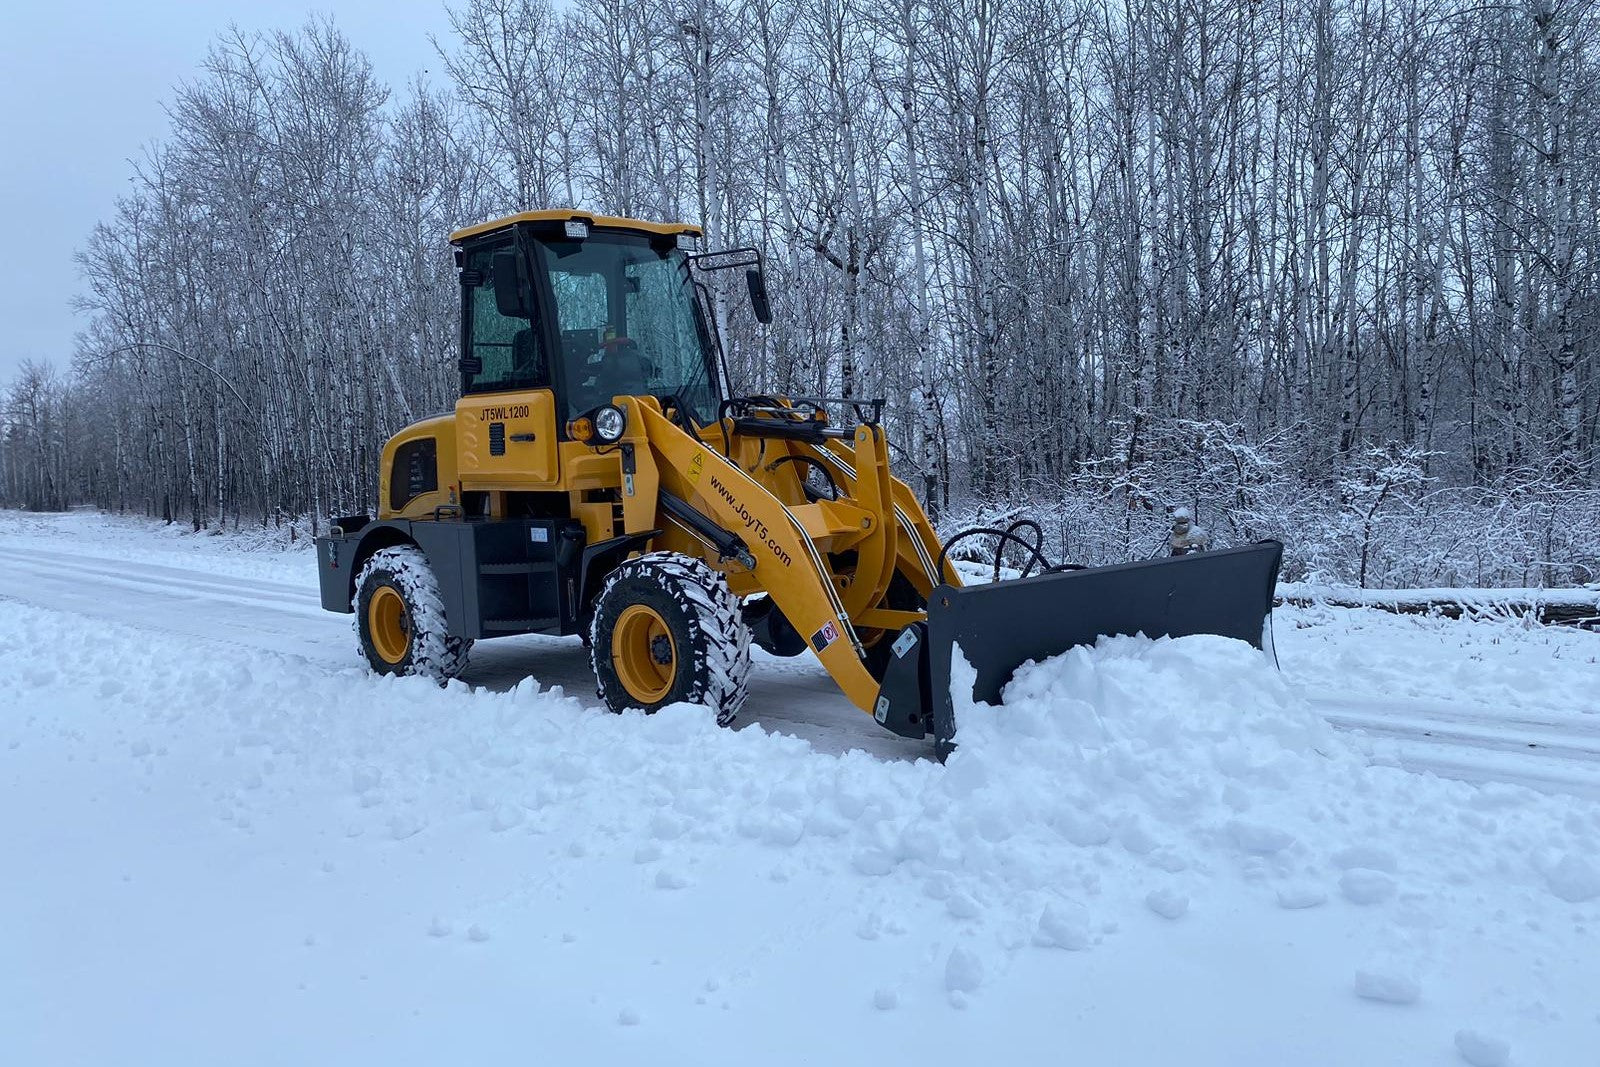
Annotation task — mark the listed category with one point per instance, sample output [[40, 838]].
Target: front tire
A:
[[400, 617], [667, 630]]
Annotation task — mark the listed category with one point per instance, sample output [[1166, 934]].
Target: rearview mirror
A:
[[510, 292], [757, 283]]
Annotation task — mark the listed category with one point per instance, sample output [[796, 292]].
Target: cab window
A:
[[627, 323], [509, 351]]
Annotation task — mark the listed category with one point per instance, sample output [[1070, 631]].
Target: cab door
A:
[[506, 417]]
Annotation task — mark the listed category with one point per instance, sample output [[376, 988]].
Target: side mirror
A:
[[757, 284], [510, 290]]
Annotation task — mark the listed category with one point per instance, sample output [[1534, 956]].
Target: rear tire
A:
[[400, 619], [667, 630]]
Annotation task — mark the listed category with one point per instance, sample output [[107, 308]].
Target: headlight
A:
[[609, 422]]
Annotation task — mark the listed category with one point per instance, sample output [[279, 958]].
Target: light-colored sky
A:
[[81, 92]]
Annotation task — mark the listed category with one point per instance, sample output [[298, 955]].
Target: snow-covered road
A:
[[223, 841], [264, 614], [1552, 750], [213, 606], [1546, 748]]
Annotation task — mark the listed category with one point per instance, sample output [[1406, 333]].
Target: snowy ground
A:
[[225, 842]]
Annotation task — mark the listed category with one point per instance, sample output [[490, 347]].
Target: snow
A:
[[1297, 895], [1492, 665], [1482, 1050], [1387, 987], [1063, 925], [1366, 887], [237, 845], [1487, 600], [963, 971], [1167, 903], [1574, 878]]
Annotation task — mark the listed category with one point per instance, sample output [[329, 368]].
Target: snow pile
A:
[[1173, 771], [1195, 753]]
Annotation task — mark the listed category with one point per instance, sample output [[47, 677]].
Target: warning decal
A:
[[825, 636]]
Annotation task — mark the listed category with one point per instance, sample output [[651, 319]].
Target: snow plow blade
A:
[[1002, 625]]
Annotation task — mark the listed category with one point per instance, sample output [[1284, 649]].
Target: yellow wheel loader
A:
[[599, 477]]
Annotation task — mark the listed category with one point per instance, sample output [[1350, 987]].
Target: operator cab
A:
[[587, 307]]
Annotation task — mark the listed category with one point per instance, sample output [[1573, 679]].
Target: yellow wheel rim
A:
[[644, 654], [389, 624]]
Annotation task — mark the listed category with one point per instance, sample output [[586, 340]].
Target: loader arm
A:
[[781, 556], [918, 544]]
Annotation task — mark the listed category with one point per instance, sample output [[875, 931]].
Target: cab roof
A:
[[607, 222]]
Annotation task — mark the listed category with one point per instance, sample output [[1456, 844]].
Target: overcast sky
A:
[[81, 92]]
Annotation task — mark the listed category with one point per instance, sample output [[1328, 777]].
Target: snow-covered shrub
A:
[[1383, 522]]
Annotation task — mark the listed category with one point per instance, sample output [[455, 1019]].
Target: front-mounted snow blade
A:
[[1000, 626]]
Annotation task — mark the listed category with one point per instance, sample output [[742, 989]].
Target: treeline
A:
[[1326, 269]]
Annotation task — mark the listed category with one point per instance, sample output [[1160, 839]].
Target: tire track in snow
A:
[[197, 604], [168, 581], [1537, 740], [1481, 767], [1550, 751], [1564, 723]]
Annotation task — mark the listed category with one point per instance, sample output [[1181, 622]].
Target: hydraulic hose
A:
[[1033, 546]]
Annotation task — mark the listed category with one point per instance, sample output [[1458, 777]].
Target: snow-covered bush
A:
[[1384, 522]]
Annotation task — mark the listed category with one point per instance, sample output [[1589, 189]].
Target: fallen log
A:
[[1572, 607]]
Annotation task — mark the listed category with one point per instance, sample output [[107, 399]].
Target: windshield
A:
[[628, 323]]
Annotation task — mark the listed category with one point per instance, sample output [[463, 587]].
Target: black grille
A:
[[497, 439], [415, 471]]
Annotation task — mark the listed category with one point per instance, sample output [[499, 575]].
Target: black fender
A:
[[342, 554], [599, 560]]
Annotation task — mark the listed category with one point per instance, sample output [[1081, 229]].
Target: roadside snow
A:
[[1156, 852], [248, 552], [1496, 664], [1502, 599]]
